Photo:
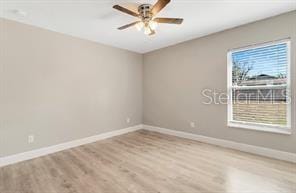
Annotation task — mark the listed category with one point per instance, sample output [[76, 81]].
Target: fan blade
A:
[[168, 20], [125, 10], [159, 6], [128, 25]]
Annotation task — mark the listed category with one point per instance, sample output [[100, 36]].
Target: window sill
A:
[[257, 127]]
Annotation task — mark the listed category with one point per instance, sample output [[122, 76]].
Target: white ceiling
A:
[[96, 20]]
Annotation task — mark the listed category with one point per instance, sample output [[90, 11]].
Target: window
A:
[[258, 86]]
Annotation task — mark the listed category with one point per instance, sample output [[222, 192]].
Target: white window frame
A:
[[259, 126]]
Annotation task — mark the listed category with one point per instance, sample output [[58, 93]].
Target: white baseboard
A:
[[4, 161], [281, 155], [286, 156]]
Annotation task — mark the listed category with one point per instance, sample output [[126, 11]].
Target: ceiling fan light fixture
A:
[[140, 26], [147, 30], [153, 24]]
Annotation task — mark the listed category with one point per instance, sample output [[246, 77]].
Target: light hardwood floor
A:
[[149, 162]]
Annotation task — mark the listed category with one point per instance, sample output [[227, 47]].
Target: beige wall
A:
[[61, 88], [174, 78]]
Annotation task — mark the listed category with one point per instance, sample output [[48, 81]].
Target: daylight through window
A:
[[258, 83]]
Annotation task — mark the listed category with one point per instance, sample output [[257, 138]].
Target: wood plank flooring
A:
[[149, 162]]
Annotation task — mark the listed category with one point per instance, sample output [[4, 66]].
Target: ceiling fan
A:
[[146, 14]]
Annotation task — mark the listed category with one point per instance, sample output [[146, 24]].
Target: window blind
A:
[[259, 87]]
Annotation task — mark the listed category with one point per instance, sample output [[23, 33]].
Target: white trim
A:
[[260, 87], [276, 154], [63, 146], [260, 126], [229, 86], [264, 44], [289, 106]]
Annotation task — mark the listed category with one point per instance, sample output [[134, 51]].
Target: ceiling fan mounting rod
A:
[[145, 12]]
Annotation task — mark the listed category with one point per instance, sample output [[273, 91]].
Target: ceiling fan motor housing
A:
[[145, 11]]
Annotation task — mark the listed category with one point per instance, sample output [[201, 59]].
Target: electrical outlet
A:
[[31, 139], [128, 120], [192, 124]]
